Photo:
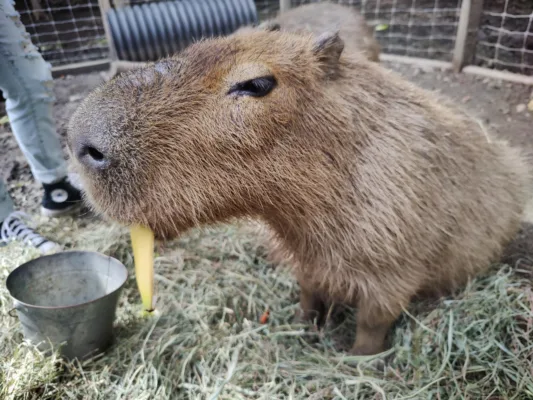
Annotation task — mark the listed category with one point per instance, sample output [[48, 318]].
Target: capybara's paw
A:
[[308, 317], [369, 342], [367, 349], [312, 308]]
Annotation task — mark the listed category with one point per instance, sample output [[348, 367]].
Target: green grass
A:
[[207, 343]]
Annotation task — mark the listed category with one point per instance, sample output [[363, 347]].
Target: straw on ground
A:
[[213, 288]]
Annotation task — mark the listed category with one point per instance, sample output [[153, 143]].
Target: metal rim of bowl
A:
[[74, 305]]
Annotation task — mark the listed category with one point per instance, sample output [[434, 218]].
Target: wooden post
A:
[[105, 5], [284, 5], [467, 31]]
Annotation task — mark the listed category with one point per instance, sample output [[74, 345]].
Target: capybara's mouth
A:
[[128, 214]]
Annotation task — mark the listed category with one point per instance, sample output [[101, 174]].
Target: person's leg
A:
[[6, 204], [26, 82]]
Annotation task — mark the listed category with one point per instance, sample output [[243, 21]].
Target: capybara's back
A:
[[376, 189], [326, 16], [483, 190], [448, 218]]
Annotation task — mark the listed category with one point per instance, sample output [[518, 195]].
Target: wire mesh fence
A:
[[417, 28], [505, 39], [69, 31], [66, 31]]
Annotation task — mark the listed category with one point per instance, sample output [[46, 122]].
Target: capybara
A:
[[376, 190], [326, 16]]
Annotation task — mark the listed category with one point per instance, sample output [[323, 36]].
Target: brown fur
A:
[[374, 188], [325, 16]]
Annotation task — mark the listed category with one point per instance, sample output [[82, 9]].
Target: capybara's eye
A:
[[257, 87]]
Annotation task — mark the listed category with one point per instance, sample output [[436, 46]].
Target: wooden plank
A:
[[469, 69], [80, 68], [416, 61], [467, 31], [496, 74]]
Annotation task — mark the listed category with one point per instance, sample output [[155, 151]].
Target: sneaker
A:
[[60, 198], [14, 228], [75, 180]]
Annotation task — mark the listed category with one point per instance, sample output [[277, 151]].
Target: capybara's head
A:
[[197, 138]]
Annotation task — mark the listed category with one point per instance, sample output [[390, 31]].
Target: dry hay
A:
[[208, 343]]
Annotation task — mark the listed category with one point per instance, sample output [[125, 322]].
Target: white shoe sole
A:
[[60, 213], [50, 247]]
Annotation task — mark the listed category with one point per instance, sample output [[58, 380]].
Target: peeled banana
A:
[[142, 241]]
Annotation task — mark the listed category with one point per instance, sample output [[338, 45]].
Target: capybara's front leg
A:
[[373, 324], [312, 306]]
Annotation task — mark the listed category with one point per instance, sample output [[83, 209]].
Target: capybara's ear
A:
[[269, 26], [328, 48]]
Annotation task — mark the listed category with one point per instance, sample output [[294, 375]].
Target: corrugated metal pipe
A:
[[151, 31]]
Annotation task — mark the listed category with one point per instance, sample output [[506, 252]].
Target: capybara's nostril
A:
[[92, 157], [95, 154]]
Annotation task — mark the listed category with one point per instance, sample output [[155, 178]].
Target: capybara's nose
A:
[[92, 157]]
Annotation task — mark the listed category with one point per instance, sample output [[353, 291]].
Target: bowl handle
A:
[[16, 306]]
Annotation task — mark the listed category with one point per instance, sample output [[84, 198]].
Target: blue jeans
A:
[[26, 82]]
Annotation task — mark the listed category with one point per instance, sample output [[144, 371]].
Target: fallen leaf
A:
[[264, 318]]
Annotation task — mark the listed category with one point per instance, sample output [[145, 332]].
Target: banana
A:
[[142, 241]]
